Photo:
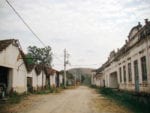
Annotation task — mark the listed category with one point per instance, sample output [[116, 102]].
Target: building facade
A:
[[129, 67], [13, 73], [19, 76]]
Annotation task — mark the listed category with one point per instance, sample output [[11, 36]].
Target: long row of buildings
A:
[[17, 75], [129, 67]]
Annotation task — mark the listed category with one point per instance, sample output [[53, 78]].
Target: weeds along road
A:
[[79, 100]]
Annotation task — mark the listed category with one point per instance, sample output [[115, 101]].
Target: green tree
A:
[[87, 79], [29, 59], [82, 78], [40, 55], [69, 75]]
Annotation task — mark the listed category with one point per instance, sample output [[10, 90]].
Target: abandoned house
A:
[[17, 75], [13, 71], [41, 76], [54, 78], [129, 67]]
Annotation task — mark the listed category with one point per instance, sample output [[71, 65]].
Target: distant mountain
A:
[[82, 71], [82, 74]]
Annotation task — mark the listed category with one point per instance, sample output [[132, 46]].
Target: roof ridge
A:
[[5, 43]]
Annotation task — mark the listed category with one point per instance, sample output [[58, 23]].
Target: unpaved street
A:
[[79, 100]]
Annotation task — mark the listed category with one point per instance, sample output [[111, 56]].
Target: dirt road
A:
[[79, 100]]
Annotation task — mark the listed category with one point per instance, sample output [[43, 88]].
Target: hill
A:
[[82, 71]]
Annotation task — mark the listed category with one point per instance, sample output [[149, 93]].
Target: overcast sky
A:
[[88, 29]]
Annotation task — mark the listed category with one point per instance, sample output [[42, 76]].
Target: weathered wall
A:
[[60, 79], [53, 80], [34, 79], [140, 50], [10, 57], [39, 79]]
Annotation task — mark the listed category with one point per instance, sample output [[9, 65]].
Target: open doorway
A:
[[136, 74], [29, 84], [57, 80], [113, 81], [4, 75]]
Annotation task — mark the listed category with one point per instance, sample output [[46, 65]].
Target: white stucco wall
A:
[[53, 80], [39, 79], [9, 57], [60, 79], [92, 79], [34, 78], [136, 53], [98, 81]]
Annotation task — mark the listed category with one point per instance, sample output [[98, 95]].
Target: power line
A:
[[57, 58], [25, 23], [80, 65], [85, 65]]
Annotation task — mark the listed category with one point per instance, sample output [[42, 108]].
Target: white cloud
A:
[[80, 26]]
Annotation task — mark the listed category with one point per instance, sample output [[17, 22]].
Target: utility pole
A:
[[65, 68], [42, 76], [66, 55], [80, 78], [75, 77]]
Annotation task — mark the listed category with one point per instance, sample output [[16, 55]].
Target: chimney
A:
[[146, 21]]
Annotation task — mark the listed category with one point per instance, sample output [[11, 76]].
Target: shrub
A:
[[15, 97]]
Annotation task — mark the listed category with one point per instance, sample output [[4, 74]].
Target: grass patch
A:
[[13, 98], [138, 103]]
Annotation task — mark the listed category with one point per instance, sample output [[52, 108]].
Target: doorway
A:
[[4, 74], [29, 84], [136, 74], [113, 81]]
